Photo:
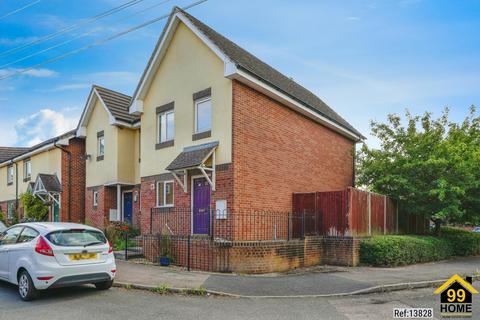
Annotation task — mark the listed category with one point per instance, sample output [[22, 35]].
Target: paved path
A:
[[344, 280]]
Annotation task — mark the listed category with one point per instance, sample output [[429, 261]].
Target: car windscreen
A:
[[76, 237]]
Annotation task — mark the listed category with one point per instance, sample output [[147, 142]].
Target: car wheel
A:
[[26, 289], [105, 285]]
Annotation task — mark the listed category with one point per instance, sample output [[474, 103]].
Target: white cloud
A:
[[36, 73], [42, 125], [67, 87], [8, 136]]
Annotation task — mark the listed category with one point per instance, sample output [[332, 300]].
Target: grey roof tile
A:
[[118, 104], [191, 156], [7, 153], [50, 182]]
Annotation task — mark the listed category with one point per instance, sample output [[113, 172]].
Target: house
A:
[[53, 170], [112, 158], [222, 129]]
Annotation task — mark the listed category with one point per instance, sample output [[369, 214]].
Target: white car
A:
[[39, 256]]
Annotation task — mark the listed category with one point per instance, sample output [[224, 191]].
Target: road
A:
[[86, 303]]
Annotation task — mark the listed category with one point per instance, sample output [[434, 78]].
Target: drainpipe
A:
[[69, 155], [16, 185]]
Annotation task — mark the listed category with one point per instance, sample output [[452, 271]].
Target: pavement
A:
[[313, 282]]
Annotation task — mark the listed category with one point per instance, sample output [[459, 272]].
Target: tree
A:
[[34, 207], [431, 165]]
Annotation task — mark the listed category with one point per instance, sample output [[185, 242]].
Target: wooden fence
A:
[[354, 212]]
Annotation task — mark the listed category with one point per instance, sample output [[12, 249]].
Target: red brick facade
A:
[[73, 182], [277, 151], [99, 215]]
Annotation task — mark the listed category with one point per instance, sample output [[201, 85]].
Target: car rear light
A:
[[43, 248], [45, 278], [113, 270], [110, 248]]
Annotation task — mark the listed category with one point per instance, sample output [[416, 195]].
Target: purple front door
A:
[[201, 206]]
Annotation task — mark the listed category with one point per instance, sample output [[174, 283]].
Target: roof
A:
[[23, 150], [50, 182], [247, 62], [117, 103], [192, 156], [7, 153]]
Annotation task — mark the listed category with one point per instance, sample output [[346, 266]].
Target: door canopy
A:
[[195, 158], [47, 187]]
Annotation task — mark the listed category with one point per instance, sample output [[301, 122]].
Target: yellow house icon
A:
[[456, 279]]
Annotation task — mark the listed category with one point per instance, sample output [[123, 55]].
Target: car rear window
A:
[[72, 238]]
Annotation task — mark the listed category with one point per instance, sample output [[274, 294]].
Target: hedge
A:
[[394, 250]]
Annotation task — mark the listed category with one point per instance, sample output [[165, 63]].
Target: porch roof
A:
[[50, 183], [192, 157]]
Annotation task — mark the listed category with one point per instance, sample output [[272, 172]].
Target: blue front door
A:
[[201, 206], [127, 207]]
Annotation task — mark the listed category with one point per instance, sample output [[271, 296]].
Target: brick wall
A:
[[99, 216], [182, 200], [73, 210], [277, 151]]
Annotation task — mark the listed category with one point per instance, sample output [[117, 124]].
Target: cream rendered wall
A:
[[48, 162], [105, 171], [188, 66], [128, 156]]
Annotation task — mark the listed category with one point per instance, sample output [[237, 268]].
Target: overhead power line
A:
[[97, 43], [79, 36], [71, 27], [11, 13]]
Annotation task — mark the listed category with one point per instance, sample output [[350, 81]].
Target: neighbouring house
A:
[[53, 170], [112, 158]]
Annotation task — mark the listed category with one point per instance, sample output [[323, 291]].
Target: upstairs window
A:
[[10, 175], [203, 114], [166, 126], [27, 170], [100, 145], [165, 194]]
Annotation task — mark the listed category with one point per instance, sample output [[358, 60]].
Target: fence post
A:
[[151, 220], [396, 228], [126, 246], [188, 251], [369, 214], [288, 226], [384, 214], [303, 224]]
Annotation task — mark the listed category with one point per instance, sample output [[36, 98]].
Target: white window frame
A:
[[197, 102], [163, 205], [95, 198], [99, 153], [27, 164], [10, 174], [159, 125]]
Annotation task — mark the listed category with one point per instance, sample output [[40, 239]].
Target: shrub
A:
[[464, 243], [35, 209], [408, 249], [403, 250], [2, 216]]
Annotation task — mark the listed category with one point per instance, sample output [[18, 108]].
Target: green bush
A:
[[2, 216], [402, 250], [394, 250], [35, 209], [464, 243]]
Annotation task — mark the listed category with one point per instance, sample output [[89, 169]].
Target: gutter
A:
[[69, 155]]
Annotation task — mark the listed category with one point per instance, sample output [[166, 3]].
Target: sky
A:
[[364, 58]]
